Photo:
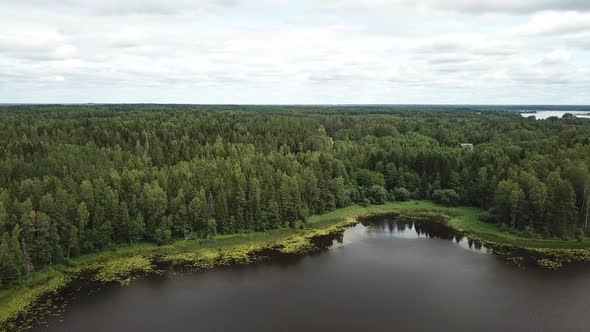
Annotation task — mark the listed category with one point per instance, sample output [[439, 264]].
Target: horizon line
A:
[[279, 104]]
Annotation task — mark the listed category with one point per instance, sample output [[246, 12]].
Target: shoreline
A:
[[20, 305]]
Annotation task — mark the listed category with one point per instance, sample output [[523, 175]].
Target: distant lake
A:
[[390, 276], [544, 114]]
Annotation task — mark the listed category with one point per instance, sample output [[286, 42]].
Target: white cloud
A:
[[557, 57], [111, 7], [556, 23], [280, 51], [463, 6], [510, 6], [65, 51]]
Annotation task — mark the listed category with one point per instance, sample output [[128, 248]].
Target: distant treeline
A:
[[80, 179]]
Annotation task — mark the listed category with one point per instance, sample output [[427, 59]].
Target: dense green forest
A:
[[80, 179]]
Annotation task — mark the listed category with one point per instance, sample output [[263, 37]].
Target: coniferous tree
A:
[[106, 177]]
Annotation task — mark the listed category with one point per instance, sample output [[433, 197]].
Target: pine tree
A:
[[10, 260], [179, 215], [57, 252], [3, 217], [136, 229], [15, 252], [240, 209], [83, 218], [254, 201], [73, 242], [4, 260], [42, 245], [561, 210], [27, 263], [271, 216], [199, 213], [211, 227], [509, 198]]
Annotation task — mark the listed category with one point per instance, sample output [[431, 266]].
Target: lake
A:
[[392, 275], [544, 114]]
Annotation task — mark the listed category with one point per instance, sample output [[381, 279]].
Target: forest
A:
[[78, 179]]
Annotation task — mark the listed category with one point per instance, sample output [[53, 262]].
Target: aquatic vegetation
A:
[[239, 255], [206, 259], [300, 243], [296, 245], [122, 270], [548, 264], [190, 259], [19, 305], [517, 261], [556, 258]]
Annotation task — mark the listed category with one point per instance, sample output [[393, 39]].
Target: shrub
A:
[[529, 232], [211, 227], [368, 178], [365, 202], [401, 194], [162, 236], [446, 197], [486, 217], [377, 194], [299, 224], [579, 235]]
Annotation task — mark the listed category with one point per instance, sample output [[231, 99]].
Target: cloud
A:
[[57, 79], [184, 7], [541, 77], [450, 60], [124, 7], [515, 7], [65, 51], [556, 24], [33, 44], [233, 51], [556, 57], [510, 6]]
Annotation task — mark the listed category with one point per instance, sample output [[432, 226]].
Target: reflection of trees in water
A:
[[474, 244], [419, 227], [423, 228], [440, 231], [435, 230], [325, 241]]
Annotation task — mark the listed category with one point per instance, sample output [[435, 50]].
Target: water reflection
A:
[[396, 227]]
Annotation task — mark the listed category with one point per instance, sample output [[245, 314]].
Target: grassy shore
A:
[[465, 220], [123, 263]]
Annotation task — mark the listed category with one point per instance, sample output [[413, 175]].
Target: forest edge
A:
[[22, 307]]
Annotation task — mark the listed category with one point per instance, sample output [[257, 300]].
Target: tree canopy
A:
[[80, 179]]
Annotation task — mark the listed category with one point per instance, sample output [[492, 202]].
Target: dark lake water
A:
[[391, 277]]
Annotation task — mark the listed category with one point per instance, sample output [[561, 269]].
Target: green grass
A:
[[119, 263], [465, 219]]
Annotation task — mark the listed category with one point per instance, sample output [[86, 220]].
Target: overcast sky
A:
[[295, 52]]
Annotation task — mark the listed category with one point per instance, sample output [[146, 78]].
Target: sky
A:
[[295, 52]]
